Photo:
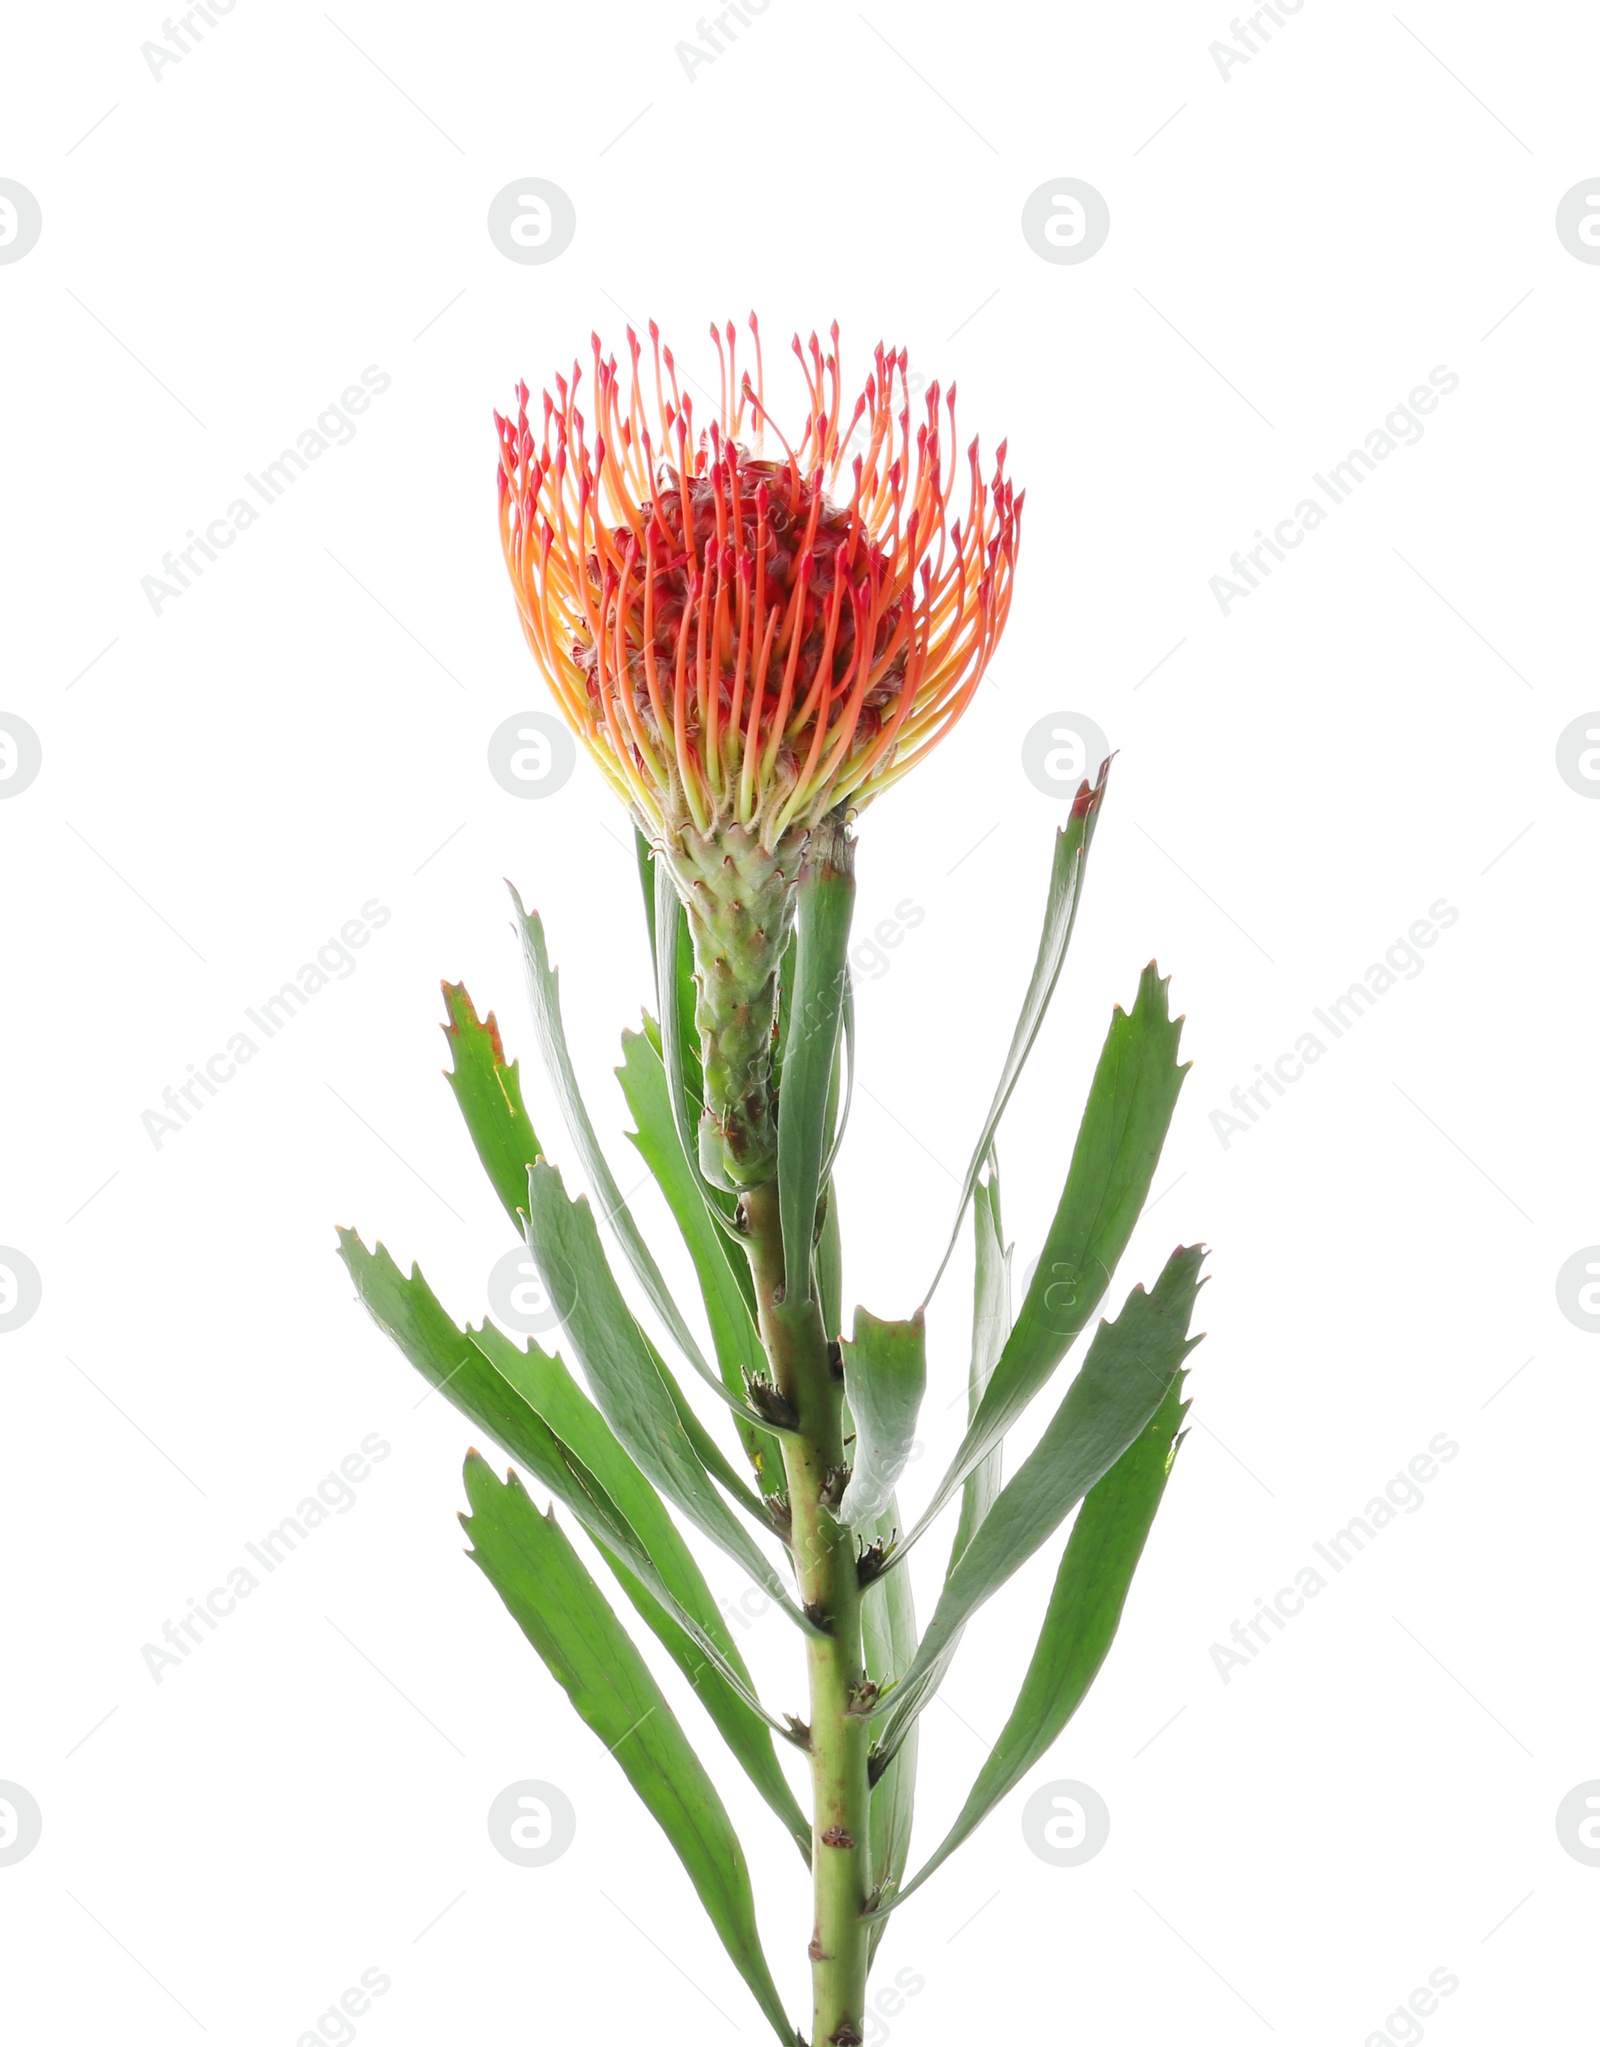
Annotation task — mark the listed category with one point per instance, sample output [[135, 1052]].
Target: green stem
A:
[[825, 1565]]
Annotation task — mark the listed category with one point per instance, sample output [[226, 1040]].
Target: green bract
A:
[[739, 1096]]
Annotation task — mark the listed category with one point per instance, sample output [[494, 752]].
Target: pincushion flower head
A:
[[751, 632]]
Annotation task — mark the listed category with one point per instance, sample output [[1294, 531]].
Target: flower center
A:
[[760, 615]]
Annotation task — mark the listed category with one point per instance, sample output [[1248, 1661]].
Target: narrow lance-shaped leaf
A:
[[1061, 909], [824, 900], [843, 1094], [673, 972], [673, 1589], [671, 927], [675, 1000], [888, 1621], [889, 1640], [991, 1325], [627, 1378], [785, 1009], [888, 1624], [644, 860], [1131, 1364], [1131, 1100], [720, 1207], [409, 1314], [530, 1405], [545, 995], [1091, 1588], [885, 1373], [828, 1258], [617, 1313], [830, 1265], [558, 1606], [488, 1091], [728, 1310]]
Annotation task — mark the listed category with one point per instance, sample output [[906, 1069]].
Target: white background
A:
[[1291, 1852]]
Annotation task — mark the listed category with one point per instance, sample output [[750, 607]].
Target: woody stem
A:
[[825, 1566]]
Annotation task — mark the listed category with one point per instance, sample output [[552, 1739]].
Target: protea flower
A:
[[754, 641], [749, 639]]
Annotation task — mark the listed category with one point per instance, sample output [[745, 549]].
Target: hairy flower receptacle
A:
[[740, 904]]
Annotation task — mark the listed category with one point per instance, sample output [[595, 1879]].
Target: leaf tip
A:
[[1088, 799], [464, 1019]]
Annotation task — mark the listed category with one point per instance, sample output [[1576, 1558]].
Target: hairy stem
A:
[[739, 901], [825, 1564]]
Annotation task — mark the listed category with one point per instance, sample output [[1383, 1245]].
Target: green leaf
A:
[[1131, 1100], [1061, 910], [828, 1258], [785, 1006], [544, 991], [740, 1357], [991, 1325], [537, 1573], [824, 900], [679, 1036], [1091, 1588], [889, 1639], [839, 1111], [723, 1685], [720, 1208], [653, 876], [1130, 1367], [451, 1361], [671, 930], [830, 1265], [531, 1406], [889, 1642], [488, 1092], [888, 1623], [680, 1054], [885, 1373], [644, 859], [630, 1384]]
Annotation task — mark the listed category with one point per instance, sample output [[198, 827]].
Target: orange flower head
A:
[[746, 638]]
